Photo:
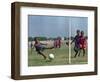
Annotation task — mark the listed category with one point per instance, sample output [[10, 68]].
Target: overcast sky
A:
[[54, 26]]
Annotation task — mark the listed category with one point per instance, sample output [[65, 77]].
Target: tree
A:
[[30, 38], [42, 38]]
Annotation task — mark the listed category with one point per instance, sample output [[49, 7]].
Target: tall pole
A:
[[69, 40]]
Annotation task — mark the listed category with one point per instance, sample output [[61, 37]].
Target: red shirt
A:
[[83, 42]]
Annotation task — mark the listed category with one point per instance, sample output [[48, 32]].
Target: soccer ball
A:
[[51, 56]]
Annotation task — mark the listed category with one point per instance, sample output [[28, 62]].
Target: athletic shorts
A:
[[40, 48]]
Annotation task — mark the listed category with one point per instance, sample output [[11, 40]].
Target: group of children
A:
[[80, 43], [79, 40], [57, 42]]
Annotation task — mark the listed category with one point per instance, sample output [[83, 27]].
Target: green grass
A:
[[61, 57]]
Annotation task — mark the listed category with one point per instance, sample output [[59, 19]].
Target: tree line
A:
[[50, 38]]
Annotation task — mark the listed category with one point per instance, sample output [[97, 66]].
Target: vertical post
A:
[[69, 40]]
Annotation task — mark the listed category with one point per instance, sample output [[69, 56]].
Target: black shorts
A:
[[40, 48]]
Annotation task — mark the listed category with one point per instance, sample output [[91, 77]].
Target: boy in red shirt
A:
[[83, 43]]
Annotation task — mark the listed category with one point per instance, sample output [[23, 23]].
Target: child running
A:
[[83, 43], [76, 40]]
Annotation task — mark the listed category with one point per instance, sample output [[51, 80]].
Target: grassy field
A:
[[61, 57]]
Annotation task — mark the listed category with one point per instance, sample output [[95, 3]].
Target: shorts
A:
[[40, 48], [83, 46]]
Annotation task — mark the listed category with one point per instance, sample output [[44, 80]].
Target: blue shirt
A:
[[77, 41]]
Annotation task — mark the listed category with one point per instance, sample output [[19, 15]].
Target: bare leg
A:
[[59, 45], [76, 52], [42, 54], [79, 52], [49, 47], [83, 52]]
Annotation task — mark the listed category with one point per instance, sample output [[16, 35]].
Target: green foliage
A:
[[30, 38], [42, 38]]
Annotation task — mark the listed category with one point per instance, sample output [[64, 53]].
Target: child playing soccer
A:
[[77, 44], [40, 47], [57, 42], [83, 43]]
